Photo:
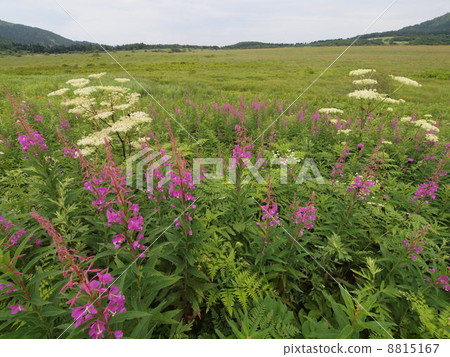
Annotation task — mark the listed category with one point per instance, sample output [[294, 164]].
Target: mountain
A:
[[27, 35], [439, 25], [16, 38], [431, 32]]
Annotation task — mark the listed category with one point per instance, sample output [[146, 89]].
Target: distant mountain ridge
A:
[[15, 38], [431, 32], [27, 35]]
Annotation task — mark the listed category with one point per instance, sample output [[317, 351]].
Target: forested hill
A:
[[27, 35], [16, 38]]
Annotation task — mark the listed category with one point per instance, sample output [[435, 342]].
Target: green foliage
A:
[[269, 318], [433, 322], [218, 273]]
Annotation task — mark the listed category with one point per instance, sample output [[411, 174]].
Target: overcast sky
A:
[[217, 22]]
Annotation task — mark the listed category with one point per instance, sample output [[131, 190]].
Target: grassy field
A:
[[351, 242], [264, 73]]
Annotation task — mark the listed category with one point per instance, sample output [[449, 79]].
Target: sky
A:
[[217, 22]]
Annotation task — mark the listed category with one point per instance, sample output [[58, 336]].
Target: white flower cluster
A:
[[95, 139], [368, 94], [406, 81], [96, 75], [386, 142], [87, 151], [103, 115], [124, 124], [344, 131], [113, 89], [113, 106], [365, 82], [331, 111], [372, 94], [425, 124], [79, 82], [82, 105], [393, 101], [58, 92], [421, 123], [85, 91], [361, 72], [128, 122], [289, 158], [432, 137]]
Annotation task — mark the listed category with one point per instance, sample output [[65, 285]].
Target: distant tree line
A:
[[7, 47]]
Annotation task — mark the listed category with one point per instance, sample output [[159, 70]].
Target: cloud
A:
[[217, 22]]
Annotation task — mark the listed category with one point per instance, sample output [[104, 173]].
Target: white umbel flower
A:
[[58, 92], [103, 115], [425, 125], [126, 123], [85, 91], [406, 81], [87, 151], [331, 111], [361, 72], [432, 137], [113, 89], [368, 94], [365, 82], [393, 101], [122, 80], [122, 106], [95, 139], [76, 101], [344, 131], [97, 75], [79, 82]]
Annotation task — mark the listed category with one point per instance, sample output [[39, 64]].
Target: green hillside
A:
[[17, 39], [27, 35]]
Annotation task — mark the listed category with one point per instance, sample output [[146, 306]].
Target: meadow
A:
[[330, 218]]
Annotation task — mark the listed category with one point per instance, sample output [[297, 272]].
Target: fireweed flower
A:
[[415, 242], [270, 216], [33, 139], [16, 309], [182, 183], [112, 195], [243, 148], [338, 168], [303, 217], [444, 281], [104, 300], [14, 237], [28, 137], [428, 189], [361, 186]]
